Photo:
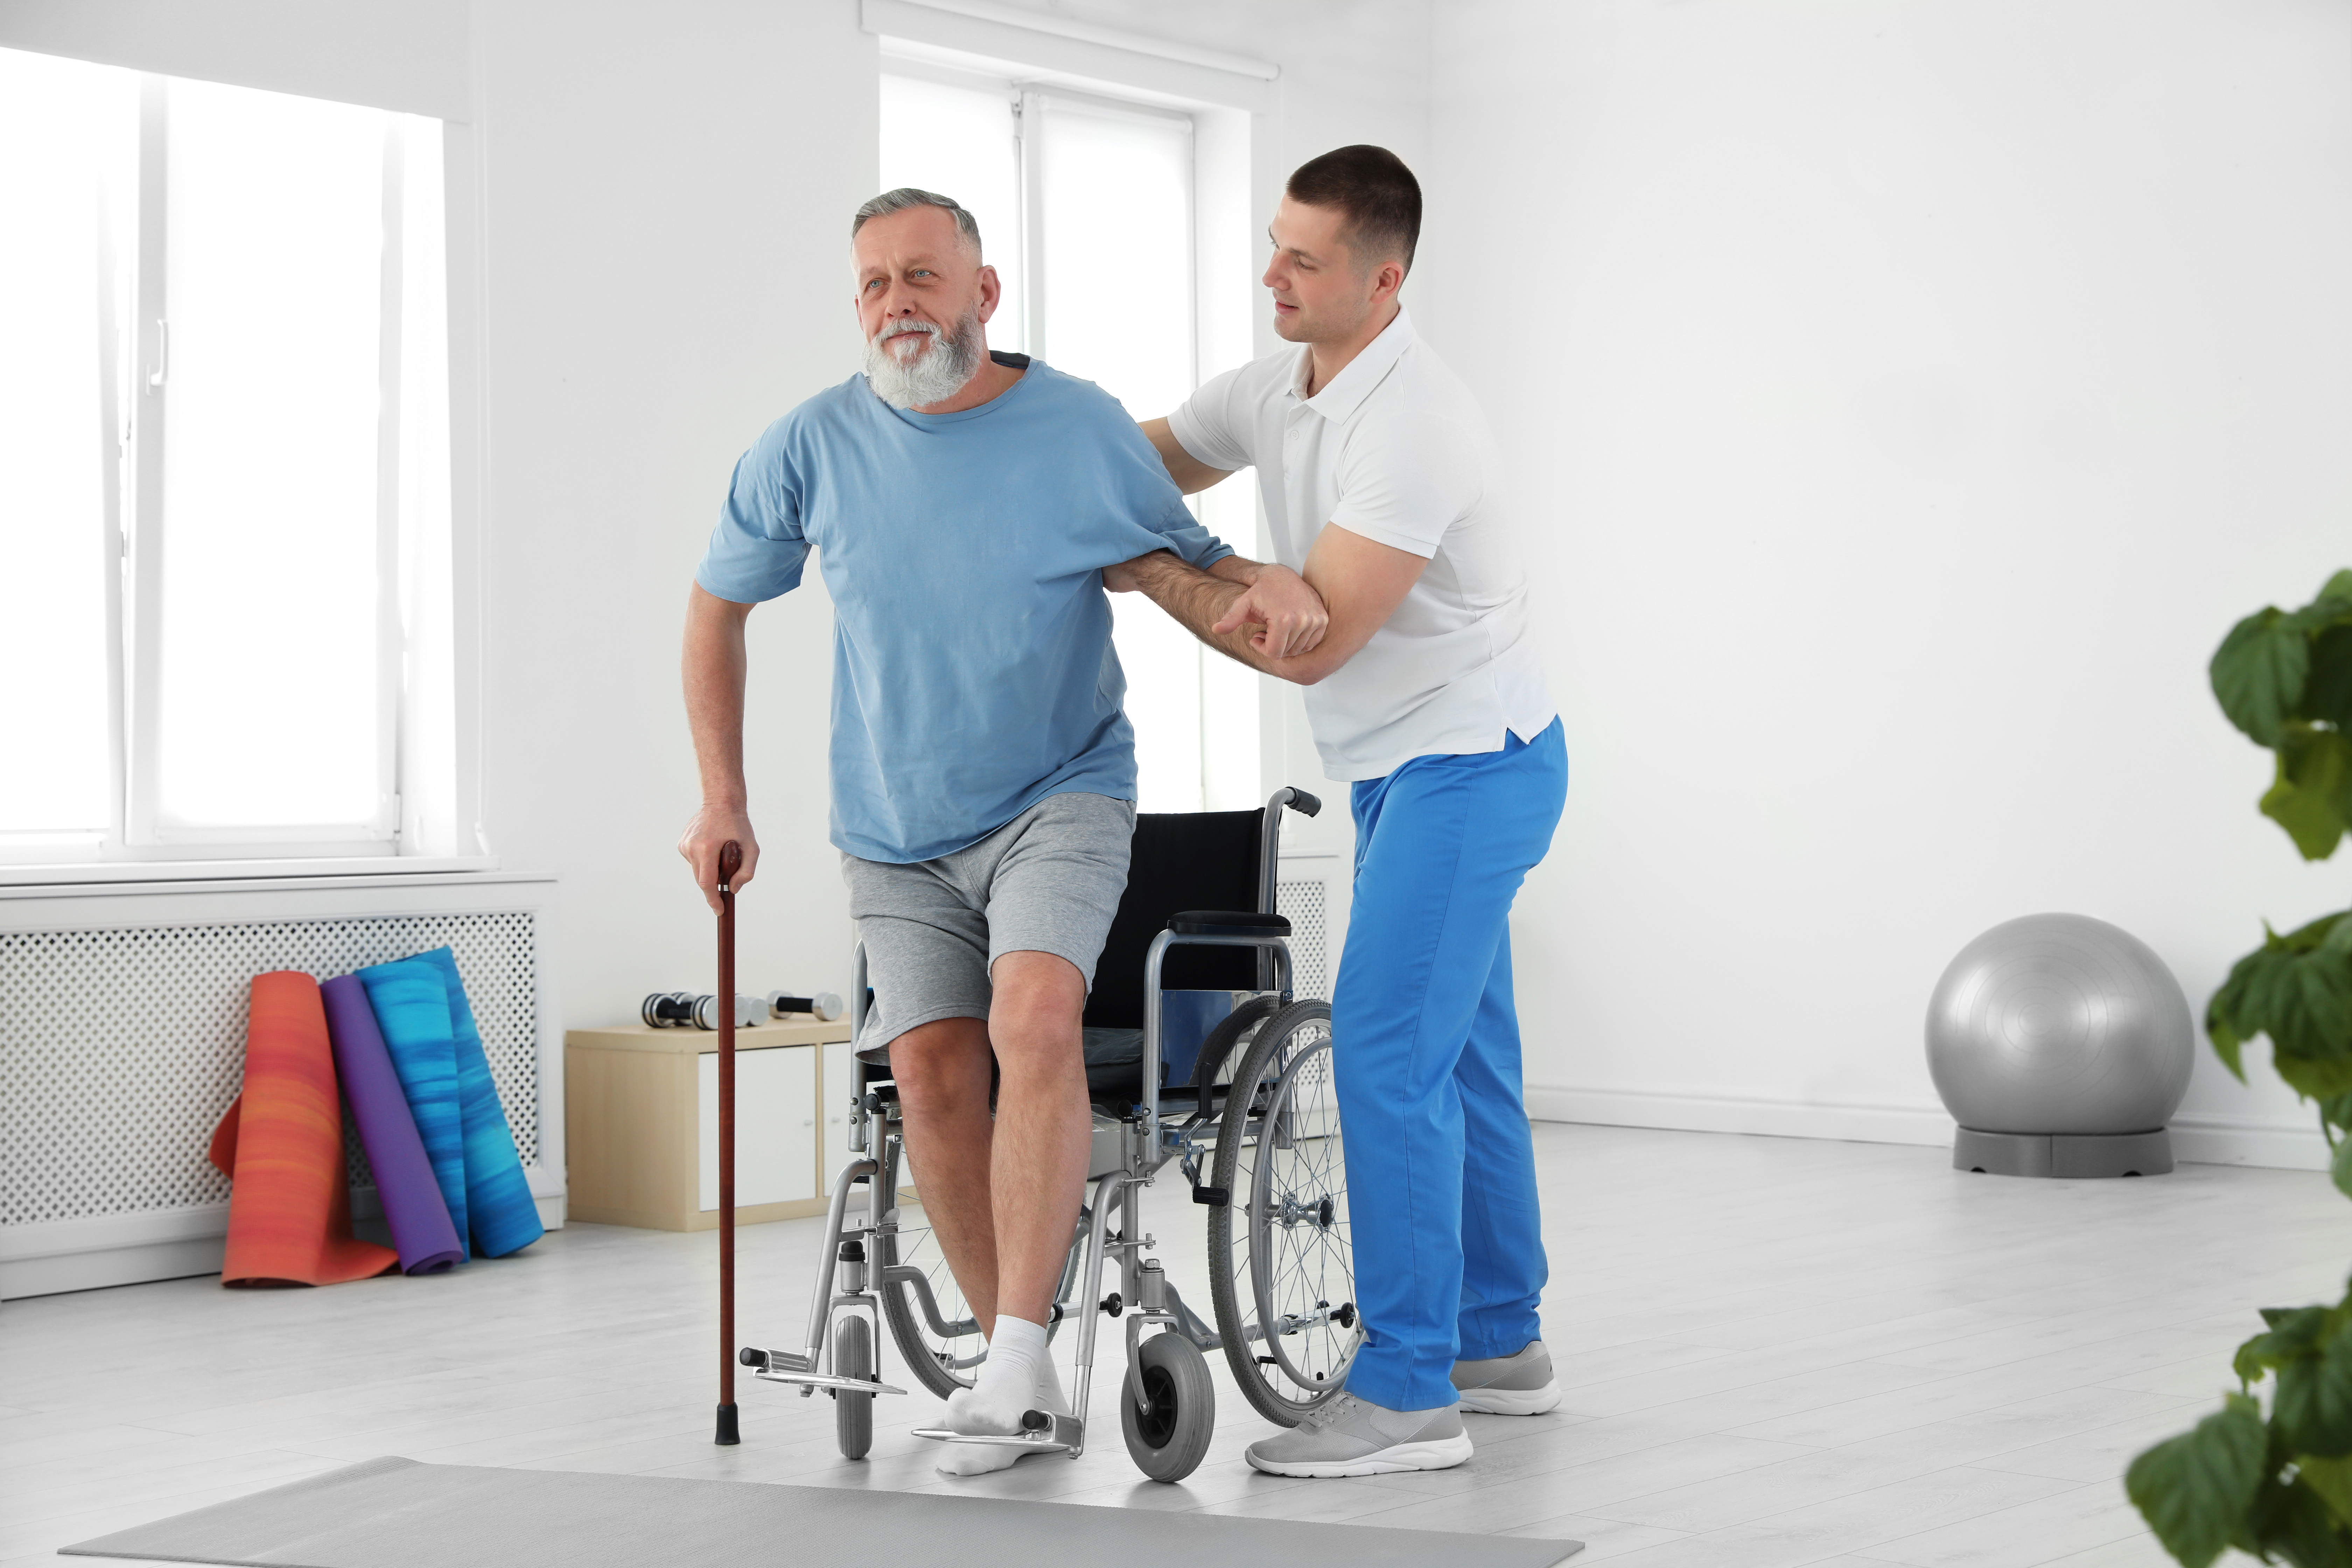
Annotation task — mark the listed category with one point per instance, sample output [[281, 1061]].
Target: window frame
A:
[[134, 392]]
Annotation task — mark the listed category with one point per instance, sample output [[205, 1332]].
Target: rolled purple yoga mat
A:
[[421, 1231]]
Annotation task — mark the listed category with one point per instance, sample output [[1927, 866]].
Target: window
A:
[[1085, 211], [224, 492]]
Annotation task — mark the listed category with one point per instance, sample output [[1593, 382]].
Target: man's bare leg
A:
[[1003, 1209], [1044, 1125], [942, 1072]]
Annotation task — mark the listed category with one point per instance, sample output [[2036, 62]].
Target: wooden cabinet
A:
[[641, 1119]]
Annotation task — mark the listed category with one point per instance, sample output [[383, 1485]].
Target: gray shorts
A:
[[1047, 881]]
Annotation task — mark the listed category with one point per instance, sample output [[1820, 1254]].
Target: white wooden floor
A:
[[1776, 1352]]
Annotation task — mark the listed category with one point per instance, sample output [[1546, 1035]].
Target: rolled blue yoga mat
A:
[[412, 1009], [421, 1232], [498, 1205]]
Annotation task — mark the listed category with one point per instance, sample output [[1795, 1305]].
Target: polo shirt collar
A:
[[1346, 393]]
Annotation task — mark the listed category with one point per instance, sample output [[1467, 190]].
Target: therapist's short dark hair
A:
[[906, 198], [1375, 190]]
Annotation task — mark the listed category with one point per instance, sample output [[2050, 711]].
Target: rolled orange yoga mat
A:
[[282, 1146]]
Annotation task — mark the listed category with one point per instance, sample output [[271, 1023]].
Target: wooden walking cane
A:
[[730, 861]]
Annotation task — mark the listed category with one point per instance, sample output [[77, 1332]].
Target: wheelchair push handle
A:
[[1299, 801]]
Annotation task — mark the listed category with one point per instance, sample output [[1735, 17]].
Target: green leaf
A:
[[2292, 1523], [2227, 1046], [2293, 1331], [2325, 931], [2310, 1014], [2340, 1169], [2194, 1489], [2312, 1411], [2258, 673], [2312, 796], [2328, 687], [2339, 586], [2331, 1479], [2311, 1076]]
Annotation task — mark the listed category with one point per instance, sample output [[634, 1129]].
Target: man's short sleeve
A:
[[1215, 424], [1155, 501], [757, 551], [1404, 482]]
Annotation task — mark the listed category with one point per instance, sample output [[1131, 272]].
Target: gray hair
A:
[[906, 198]]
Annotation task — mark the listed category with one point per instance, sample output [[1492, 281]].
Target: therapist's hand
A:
[[1290, 614]]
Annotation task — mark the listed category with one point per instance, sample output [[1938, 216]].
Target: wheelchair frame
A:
[[848, 1279]]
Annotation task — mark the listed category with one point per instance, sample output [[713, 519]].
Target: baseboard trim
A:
[[170, 1244], [2198, 1138]]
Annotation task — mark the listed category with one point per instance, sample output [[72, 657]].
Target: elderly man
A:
[[965, 504], [1382, 483]]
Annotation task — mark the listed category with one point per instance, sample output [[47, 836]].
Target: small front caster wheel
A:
[[1168, 1436], [852, 1414]]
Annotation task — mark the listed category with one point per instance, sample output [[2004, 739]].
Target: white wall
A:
[[1905, 398], [666, 194]]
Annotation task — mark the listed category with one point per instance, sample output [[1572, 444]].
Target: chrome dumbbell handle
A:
[[824, 1005]]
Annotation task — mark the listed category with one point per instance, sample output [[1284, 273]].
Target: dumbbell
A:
[[667, 1010], [824, 1005], [682, 1009]]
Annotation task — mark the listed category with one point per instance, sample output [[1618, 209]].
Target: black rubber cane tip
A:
[[729, 1434], [1036, 1421], [750, 1355]]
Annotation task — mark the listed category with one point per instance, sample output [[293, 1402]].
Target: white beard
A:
[[938, 370]]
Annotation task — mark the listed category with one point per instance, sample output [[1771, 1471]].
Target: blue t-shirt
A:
[[973, 668]]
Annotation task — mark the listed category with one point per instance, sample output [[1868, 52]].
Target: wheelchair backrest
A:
[[1180, 860]]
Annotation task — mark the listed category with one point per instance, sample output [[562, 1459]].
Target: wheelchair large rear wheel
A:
[[1281, 1264]]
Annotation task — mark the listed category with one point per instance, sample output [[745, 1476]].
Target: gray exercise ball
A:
[[2059, 1024]]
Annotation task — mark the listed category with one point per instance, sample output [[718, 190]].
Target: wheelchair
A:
[[1197, 1053]]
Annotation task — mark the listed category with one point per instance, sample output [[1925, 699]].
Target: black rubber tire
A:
[[852, 1414], [1259, 1070], [1168, 1441], [1221, 1040]]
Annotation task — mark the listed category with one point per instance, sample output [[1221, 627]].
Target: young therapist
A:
[[1382, 487]]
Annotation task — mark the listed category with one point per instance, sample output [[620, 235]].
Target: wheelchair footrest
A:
[[826, 1380], [1048, 1434]]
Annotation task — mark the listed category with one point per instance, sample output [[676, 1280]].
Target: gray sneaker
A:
[[1352, 1437], [1519, 1385]]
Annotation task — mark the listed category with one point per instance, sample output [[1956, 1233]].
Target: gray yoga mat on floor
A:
[[398, 1513]]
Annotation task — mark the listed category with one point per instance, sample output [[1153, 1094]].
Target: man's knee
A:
[[935, 1062], [1038, 1001]]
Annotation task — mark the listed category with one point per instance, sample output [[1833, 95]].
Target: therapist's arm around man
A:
[[1383, 489]]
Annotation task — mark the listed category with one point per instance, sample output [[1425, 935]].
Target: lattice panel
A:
[[120, 1049], [1302, 903]]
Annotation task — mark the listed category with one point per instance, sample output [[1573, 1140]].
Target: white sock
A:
[[1019, 1376], [1009, 1379]]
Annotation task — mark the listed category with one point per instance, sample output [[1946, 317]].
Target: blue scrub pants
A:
[[1449, 1254]]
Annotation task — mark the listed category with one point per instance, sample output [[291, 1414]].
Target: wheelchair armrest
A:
[[1228, 922]]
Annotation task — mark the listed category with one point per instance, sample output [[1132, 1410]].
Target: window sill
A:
[[133, 873]]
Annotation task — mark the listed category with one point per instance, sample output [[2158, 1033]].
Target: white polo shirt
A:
[[1395, 449]]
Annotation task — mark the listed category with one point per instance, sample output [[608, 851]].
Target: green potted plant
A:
[[2272, 1476]]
